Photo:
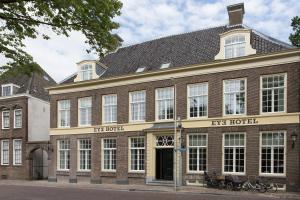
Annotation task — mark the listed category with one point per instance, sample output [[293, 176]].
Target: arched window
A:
[[235, 46]]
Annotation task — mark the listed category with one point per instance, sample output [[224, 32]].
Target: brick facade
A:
[[215, 109]]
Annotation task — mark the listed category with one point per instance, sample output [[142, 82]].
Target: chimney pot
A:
[[236, 14]]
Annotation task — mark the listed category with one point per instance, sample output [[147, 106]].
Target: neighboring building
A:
[[235, 90], [25, 117]]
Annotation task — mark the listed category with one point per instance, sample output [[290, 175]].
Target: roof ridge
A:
[[174, 35]]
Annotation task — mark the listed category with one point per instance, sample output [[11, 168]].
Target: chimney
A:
[[236, 14]]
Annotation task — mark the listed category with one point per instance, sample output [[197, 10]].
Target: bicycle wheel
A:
[[245, 186], [229, 186], [261, 187], [273, 187]]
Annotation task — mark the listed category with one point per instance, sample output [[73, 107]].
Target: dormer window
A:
[[235, 43], [89, 69], [140, 69], [86, 72], [9, 89], [165, 65], [235, 46]]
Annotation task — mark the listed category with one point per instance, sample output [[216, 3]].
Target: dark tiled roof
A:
[[180, 50], [33, 85]]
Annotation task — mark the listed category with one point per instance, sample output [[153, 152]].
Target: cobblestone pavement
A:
[[42, 190]]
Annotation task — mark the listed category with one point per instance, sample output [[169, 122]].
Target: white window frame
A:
[[110, 154], [14, 151], [79, 112], [245, 91], [11, 89], [272, 174], [6, 111], [198, 147], [137, 102], [234, 160], [59, 149], [156, 104], [188, 100], [109, 105], [2, 153], [15, 118], [235, 46], [59, 109], [86, 155], [88, 71], [138, 155], [261, 96]]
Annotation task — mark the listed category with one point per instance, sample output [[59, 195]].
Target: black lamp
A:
[[294, 138]]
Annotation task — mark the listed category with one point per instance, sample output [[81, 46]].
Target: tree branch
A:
[[11, 1]]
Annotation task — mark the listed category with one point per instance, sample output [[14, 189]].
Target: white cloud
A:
[[143, 20]]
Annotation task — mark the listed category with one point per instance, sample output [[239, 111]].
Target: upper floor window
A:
[[64, 113], [85, 111], [235, 46], [7, 90], [18, 118], [164, 103], [197, 100], [110, 108], [234, 96], [86, 72], [5, 119], [137, 103], [273, 90]]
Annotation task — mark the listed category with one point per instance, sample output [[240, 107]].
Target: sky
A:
[[143, 20]]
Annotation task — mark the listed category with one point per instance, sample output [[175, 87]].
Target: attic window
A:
[[165, 65], [235, 46], [86, 72], [140, 69], [9, 89]]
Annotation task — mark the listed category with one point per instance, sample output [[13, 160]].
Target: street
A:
[[10, 192]]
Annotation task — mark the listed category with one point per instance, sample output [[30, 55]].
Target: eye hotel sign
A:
[[234, 122]]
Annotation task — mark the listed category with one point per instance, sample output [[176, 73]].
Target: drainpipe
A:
[[175, 137]]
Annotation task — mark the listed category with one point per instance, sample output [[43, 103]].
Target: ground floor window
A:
[[234, 153], [272, 158], [109, 151], [85, 154], [63, 154], [5, 152], [17, 154], [197, 152], [137, 154]]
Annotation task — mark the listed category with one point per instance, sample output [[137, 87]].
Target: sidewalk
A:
[[148, 188]]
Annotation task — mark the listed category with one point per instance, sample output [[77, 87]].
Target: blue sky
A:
[[143, 20]]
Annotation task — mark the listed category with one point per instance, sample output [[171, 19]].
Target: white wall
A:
[[38, 119]]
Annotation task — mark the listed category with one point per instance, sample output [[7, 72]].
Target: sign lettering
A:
[[234, 122]]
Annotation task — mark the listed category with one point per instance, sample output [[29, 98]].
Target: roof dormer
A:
[[9, 89], [235, 43], [88, 70]]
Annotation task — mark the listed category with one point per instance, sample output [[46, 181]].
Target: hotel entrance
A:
[[164, 164], [164, 157]]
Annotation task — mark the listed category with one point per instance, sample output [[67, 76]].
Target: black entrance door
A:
[[164, 164]]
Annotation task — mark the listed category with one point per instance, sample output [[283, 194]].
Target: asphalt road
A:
[[8, 192]]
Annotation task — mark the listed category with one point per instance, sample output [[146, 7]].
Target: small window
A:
[[140, 69], [5, 152], [235, 46], [46, 78], [64, 113], [7, 90], [86, 72], [85, 111], [18, 118], [165, 65], [234, 96], [110, 108], [137, 104], [5, 119], [17, 154], [164, 100]]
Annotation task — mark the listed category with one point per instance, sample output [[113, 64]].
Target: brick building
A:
[[25, 112], [233, 91]]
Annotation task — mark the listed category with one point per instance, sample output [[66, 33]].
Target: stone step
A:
[[161, 183]]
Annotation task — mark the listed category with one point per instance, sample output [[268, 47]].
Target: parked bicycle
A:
[[270, 187], [254, 185], [233, 182]]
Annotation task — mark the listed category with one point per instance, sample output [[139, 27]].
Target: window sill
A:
[[234, 173], [272, 175], [194, 173], [197, 118], [17, 127], [136, 172], [108, 171]]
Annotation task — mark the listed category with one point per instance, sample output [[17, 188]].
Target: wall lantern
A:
[[49, 146], [294, 138]]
